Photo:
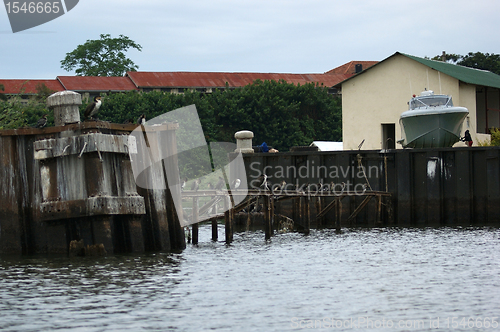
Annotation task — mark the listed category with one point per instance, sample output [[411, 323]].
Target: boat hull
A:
[[432, 129]]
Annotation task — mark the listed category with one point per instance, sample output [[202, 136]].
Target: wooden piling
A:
[[268, 227], [248, 215], [215, 231], [228, 220], [338, 213], [296, 208], [307, 214], [319, 218], [195, 220], [271, 217], [379, 211]]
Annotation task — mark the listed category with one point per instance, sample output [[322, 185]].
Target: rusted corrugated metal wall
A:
[[429, 187], [75, 182]]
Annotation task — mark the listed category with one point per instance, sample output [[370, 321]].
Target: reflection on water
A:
[[289, 282]]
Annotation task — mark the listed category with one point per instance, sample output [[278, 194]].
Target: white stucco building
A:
[[373, 100]]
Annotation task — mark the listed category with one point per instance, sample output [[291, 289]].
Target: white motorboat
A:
[[431, 121]]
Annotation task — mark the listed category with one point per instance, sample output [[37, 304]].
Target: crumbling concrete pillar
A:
[[66, 107], [244, 141]]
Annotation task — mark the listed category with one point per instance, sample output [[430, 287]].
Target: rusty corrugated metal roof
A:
[[350, 67], [218, 79], [140, 80], [28, 86], [96, 83]]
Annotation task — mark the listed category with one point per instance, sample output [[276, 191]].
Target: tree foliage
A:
[[494, 139], [16, 113], [281, 114], [478, 60], [102, 57]]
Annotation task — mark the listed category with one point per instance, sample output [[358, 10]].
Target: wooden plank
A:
[[327, 208], [359, 208]]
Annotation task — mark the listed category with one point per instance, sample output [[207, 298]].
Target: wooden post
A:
[[228, 220], [248, 215], [307, 213], [338, 214], [379, 211], [388, 206], [195, 220], [267, 217], [271, 215], [215, 231], [295, 208], [319, 219], [301, 210]]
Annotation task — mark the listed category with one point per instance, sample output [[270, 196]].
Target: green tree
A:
[[15, 113], [102, 57], [279, 113], [478, 60], [18, 113]]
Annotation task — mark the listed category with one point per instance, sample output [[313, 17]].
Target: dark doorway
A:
[[388, 136]]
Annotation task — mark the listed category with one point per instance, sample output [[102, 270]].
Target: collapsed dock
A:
[[447, 187]]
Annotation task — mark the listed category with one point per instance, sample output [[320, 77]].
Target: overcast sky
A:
[[294, 36]]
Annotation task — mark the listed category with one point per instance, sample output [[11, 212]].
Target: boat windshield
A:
[[431, 101]]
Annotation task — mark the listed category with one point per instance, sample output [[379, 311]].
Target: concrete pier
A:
[[64, 184]]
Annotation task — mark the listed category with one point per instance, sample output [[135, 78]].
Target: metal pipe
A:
[[83, 149]]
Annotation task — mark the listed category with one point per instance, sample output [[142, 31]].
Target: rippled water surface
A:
[[354, 279]]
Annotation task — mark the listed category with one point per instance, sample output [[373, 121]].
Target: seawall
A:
[[428, 187]]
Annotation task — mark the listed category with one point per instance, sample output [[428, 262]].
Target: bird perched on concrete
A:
[[93, 108], [235, 184], [195, 185], [42, 122], [263, 183], [183, 183], [142, 119]]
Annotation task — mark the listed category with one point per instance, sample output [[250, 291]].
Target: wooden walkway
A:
[[268, 199]]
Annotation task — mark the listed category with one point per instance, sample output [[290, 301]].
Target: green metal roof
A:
[[461, 73]]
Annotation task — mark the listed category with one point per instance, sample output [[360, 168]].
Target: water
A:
[[408, 278]]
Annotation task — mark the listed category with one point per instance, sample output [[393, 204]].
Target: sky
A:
[[266, 36]]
